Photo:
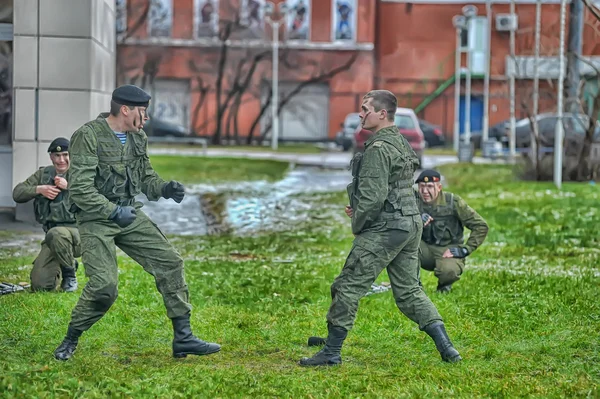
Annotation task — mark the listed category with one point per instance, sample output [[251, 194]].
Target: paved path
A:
[[334, 160]]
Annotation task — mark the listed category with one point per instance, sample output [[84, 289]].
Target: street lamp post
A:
[[470, 12], [459, 23], [275, 24]]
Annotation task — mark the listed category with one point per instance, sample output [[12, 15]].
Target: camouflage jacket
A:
[[450, 215], [106, 173], [381, 189], [48, 213]]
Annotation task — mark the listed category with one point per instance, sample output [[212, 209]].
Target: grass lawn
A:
[[525, 315], [216, 170]]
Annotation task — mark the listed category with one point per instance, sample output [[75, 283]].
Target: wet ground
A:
[[250, 207]]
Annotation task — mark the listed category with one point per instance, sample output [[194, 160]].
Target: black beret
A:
[[131, 95], [428, 176], [59, 144]]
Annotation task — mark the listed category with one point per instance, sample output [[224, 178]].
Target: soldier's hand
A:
[[349, 211], [175, 190], [61, 182], [123, 215], [456, 252], [48, 191], [427, 218]]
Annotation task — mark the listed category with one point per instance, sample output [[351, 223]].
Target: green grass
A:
[[216, 170], [524, 316]]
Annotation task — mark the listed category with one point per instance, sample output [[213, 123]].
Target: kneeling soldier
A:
[[445, 215], [48, 189]]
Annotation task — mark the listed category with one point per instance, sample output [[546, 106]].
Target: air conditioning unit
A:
[[507, 22]]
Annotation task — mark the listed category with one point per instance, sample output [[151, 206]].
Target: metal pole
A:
[[467, 137], [558, 137], [456, 137], [574, 52], [486, 82], [512, 138], [275, 104], [536, 80]]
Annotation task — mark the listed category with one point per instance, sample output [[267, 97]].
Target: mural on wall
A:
[[253, 15], [206, 18], [298, 19], [344, 20], [160, 18], [121, 17]]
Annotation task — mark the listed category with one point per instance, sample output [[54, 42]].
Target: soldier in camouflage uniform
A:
[[110, 166], [387, 228], [48, 189], [445, 215]]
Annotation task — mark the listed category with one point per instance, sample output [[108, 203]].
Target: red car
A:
[[408, 125]]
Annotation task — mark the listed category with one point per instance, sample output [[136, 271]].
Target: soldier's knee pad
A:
[[105, 297]]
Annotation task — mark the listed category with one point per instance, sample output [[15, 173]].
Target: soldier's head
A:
[[59, 154], [430, 185], [378, 110], [128, 105]]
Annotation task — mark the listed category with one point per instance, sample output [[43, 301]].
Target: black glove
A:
[[175, 190], [123, 215], [425, 217], [459, 252]]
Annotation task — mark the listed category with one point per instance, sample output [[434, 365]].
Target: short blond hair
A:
[[383, 99]]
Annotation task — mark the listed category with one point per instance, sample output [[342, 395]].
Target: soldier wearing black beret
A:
[[110, 168], [48, 188], [443, 250]]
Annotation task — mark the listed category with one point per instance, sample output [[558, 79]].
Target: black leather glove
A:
[[425, 217], [459, 252], [175, 190], [123, 215]]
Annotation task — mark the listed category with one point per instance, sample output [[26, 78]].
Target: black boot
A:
[[66, 349], [69, 279], [330, 355], [185, 343], [437, 331], [444, 289]]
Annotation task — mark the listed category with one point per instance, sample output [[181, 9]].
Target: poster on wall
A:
[[121, 17], [160, 18], [298, 19], [206, 18], [344, 20], [253, 14]]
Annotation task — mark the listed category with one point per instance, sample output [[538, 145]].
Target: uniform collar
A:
[[380, 133]]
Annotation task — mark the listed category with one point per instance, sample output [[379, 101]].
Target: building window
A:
[[252, 16], [121, 8], [206, 18], [298, 19], [344, 20], [170, 102], [160, 18]]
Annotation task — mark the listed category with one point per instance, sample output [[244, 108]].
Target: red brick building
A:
[[208, 62]]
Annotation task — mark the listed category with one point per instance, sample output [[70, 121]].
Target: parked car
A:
[[408, 125], [159, 128], [434, 136], [497, 131], [345, 137]]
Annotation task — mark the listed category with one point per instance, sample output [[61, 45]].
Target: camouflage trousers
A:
[[393, 245], [144, 242], [60, 248], [447, 270]]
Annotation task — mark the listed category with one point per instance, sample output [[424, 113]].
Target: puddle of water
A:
[[249, 207]]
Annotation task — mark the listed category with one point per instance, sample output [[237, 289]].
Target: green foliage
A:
[[524, 315]]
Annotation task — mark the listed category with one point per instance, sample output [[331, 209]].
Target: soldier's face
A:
[[370, 119], [135, 118], [60, 160], [430, 191]]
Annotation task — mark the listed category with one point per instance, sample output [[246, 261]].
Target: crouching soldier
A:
[[445, 215], [48, 189]]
